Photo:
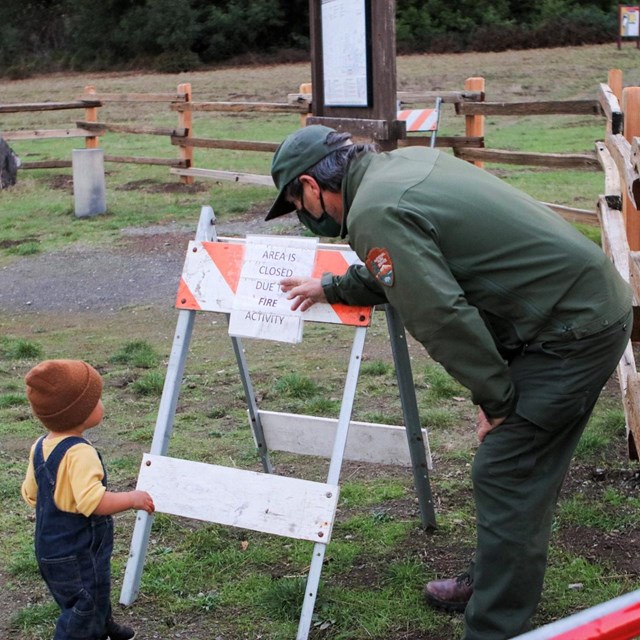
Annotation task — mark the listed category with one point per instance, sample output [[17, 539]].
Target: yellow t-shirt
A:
[[79, 486]]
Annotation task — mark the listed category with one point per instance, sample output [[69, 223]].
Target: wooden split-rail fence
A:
[[617, 155]]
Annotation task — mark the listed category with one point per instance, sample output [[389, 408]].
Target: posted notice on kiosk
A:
[[260, 308]]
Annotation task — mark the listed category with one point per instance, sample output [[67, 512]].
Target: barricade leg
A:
[[407, 392]]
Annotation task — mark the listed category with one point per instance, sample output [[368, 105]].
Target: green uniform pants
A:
[[518, 471]]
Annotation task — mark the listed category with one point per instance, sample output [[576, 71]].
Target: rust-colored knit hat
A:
[[63, 393]]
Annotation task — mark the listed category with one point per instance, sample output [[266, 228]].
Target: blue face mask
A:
[[324, 226]]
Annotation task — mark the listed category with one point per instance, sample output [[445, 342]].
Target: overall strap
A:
[[38, 455]]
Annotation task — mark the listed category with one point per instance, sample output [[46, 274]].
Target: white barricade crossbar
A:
[[312, 435], [263, 502]]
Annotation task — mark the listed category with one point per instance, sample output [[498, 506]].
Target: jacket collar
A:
[[350, 184]]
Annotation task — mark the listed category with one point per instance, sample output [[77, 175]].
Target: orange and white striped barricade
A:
[[419, 120], [290, 507], [617, 619]]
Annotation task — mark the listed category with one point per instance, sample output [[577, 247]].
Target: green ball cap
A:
[[299, 152]]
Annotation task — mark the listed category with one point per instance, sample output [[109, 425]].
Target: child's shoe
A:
[[117, 631]]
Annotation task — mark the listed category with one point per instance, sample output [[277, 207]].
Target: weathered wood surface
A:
[[214, 174], [134, 97], [43, 134], [454, 142], [48, 106], [408, 97], [611, 107], [46, 164], [615, 245], [240, 107], [359, 127], [551, 160], [531, 108], [237, 145], [314, 436], [100, 128], [263, 502], [612, 191], [163, 162], [575, 215], [620, 150]]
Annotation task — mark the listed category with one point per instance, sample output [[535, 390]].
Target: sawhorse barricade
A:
[[267, 502]]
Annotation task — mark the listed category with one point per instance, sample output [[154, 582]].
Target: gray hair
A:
[[330, 171]]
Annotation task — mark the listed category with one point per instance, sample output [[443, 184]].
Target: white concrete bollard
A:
[[88, 182]]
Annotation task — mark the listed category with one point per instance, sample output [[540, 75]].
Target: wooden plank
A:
[[238, 145], [620, 150], [614, 237], [49, 106], [611, 107], [100, 127], [314, 436], [611, 176], [264, 502], [241, 107], [550, 160], [634, 280], [46, 164], [632, 413], [447, 97], [135, 97], [163, 162], [635, 154], [575, 215], [531, 108], [409, 97], [359, 127], [454, 142], [43, 134], [214, 174]]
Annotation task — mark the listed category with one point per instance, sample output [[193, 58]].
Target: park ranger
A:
[[518, 306]]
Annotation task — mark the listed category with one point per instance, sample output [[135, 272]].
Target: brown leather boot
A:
[[451, 594]]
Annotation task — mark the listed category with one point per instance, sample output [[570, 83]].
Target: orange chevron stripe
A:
[[185, 299], [417, 123], [228, 259], [334, 262]]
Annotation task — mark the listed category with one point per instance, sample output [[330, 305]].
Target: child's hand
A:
[[142, 500]]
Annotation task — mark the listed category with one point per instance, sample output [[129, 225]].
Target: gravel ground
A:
[[143, 268]]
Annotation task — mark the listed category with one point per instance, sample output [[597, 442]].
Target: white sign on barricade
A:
[[260, 308]]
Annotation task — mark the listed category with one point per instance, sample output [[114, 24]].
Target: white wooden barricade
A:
[[266, 502]]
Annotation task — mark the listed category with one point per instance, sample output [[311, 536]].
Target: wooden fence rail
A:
[[617, 155], [620, 231]]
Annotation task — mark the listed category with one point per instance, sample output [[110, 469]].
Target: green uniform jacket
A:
[[475, 268]]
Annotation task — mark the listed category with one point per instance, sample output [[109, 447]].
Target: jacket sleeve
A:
[[356, 287], [433, 307]]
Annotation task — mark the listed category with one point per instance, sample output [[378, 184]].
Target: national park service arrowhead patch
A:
[[380, 266]]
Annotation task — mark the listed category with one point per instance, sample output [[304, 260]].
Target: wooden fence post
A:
[[306, 87], [91, 115], [474, 125], [631, 114], [185, 120], [614, 81]]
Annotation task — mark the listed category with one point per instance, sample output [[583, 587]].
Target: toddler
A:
[[66, 482]]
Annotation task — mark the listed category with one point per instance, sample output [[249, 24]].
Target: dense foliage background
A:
[[176, 35]]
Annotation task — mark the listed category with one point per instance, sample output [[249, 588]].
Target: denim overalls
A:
[[73, 553]]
